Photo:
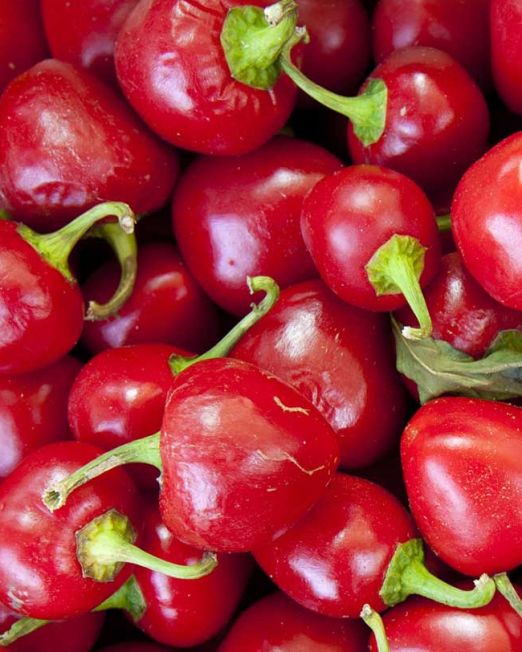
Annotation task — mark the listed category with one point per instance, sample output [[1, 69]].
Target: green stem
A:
[[407, 575], [124, 246], [4, 215], [19, 629], [396, 267], [56, 247], [255, 284], [144, 450], [129, 597], [367, 112], [506, 588], [107, 542], [444, 222], [374, 622]]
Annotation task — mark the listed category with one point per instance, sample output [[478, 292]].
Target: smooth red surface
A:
[[120, 394], [36, 303], [461, 461], [278, 624], [463, 314], [84, 32], [132, 646], [244, 456], [166, 305], [350, 214], [179, 81], [40, 576], [437, 120], [74, 635], [425, 626], [486, 217], [68, 142], [22, 39], [239, 217], [458, 27], [339, 50], [334, 559], [341, 359], [184, 613], [506, 51], [33, 410]]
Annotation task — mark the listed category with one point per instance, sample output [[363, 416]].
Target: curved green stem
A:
[[107, 542], [506, 588], [444, 222], [396, 267], [374, 622], [407, 575], [125, 248], [366, 112], [19, 629], [255, 284], [144, 450]]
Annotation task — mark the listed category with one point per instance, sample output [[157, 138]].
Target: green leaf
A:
[[437, 368]]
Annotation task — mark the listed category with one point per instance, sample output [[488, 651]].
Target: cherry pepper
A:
[[486, 219], [68, 142], [40, 298], [425, 626], [341, 359], [57, 565], [373, 237], [356, 547], [462, 468], [221, 92]]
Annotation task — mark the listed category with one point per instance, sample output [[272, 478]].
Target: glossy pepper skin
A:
[[459, 28], [166, 305], [244, 456], [22, 38], [81, 145], [426, 626], [278, 623], [506, 48], [84, 33], [437, 119], [461, 464], [40, 576], [239, 216], [33, 410], [486, 219], [36, 303], [341, 359], [339, 50], [182, 613], [463, 314], [318, 561], [179, 81]]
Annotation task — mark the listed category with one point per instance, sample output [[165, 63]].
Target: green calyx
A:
[[253, 38], [96, 541], [129, 597], [19, 629], [407, 575], [107, 542], [55, 248], [255, 284], [395, 268]]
